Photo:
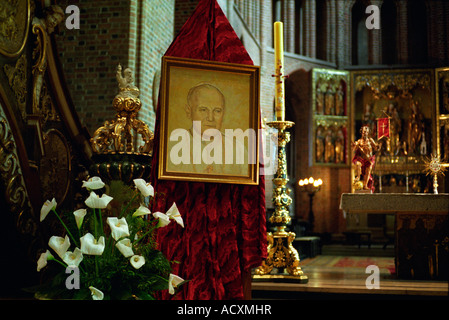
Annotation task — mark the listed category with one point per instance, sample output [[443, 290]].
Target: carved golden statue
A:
[[394, 143], [329, 149], [319, 100], [319, 145], [329, 101], [415, 128], [339, 101], [340, 147]]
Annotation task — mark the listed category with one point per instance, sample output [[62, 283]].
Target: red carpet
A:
[[363, 262], [385, 264]]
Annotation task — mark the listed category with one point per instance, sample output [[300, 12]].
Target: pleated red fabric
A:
[[225, 224]]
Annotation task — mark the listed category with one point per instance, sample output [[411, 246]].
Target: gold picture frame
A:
[[210, 121]]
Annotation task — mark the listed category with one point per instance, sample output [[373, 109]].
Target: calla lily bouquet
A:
[[110, 257]]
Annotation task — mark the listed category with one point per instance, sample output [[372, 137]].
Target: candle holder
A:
[[281, 253], [311, 186]]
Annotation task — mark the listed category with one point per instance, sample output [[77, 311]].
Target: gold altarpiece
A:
[[330, 117], [407, 97], [416, 102]]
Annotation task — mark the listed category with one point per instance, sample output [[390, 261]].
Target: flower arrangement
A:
[[110, 257]]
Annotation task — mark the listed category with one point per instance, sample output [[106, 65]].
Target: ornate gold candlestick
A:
[[281, 253]]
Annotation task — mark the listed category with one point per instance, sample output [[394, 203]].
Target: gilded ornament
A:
[[55, 166], [14, 25], [120, 134], [17, 79], [16, 194], [392, 85], [122, 145]]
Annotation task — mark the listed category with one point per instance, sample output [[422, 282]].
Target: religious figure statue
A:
[[446, 144], [126, 82], [415, 128], [393, 144], [445, 94], [319, 145], [329, 100], [423, 145], [364, 158], [329, 150], [340, 147], [319, 100], [368, 118], [339, 100]]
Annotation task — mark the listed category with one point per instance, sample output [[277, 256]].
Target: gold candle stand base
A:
[[281, 253]]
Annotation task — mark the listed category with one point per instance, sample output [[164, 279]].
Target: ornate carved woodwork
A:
[[44, 149]]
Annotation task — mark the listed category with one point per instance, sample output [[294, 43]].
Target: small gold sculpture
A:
[[116, 136]]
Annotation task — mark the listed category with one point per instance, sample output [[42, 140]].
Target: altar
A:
[[421, 229]]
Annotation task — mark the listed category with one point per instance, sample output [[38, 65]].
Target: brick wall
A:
[[90, 56], [133, 33], [183, 10], [152, 29]]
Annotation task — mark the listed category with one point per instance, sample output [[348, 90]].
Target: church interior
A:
[[348, 64]]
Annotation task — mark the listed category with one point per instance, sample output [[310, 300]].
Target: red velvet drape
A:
[[225, 231]]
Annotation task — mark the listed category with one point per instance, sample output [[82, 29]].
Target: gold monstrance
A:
[[434, 167], [281, 253]]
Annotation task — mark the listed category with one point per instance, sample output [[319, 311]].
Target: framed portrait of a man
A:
[[209, 121]]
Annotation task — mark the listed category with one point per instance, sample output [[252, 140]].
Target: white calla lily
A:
[[73, 258], [47, 207], [93, 183], [141, 211], [79, 216], [163, 219], [173, 282], [125, 247], [146, 189], [119, 227], [173, 213], [44, 257], [137, 261], [59, 245], [89, 245], [96, 294], [96, 202]]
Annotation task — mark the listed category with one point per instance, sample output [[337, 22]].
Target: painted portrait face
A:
[[206, 104]]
